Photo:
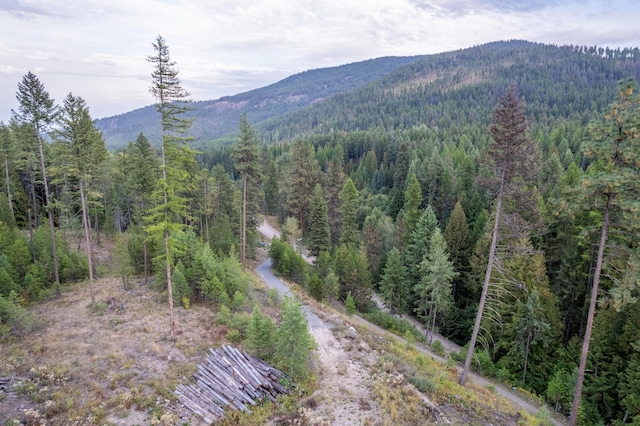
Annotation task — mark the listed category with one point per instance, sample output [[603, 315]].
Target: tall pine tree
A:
[[166, 220], [38, 111], [246, 159]]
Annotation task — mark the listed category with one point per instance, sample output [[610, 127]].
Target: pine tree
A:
[[271, 188], [293, 342], [392, 283], [319, 233], [349, 198], [412, 202], [166, 220], [8, 150], [335, 183], [303, 176], [531, 328], [456, 235], [83, 148], [37, 110], [418, 247], [434, 289], [261, 333], [513, 156], [611, 188], [246, 158]]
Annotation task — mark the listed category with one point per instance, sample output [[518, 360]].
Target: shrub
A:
[[438, 348], [350, 304]]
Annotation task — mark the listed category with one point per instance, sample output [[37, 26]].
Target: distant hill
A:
[[441, 90], [215, 118]]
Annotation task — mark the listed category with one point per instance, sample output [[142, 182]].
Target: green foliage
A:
[[14, 318], [349, 197], [393, 323], [393, 281], [293, 343], [319, 233], [438, 348], [286, 261], [261, 335], [350, 304]]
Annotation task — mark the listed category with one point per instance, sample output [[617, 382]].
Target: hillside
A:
[[114, 364], [440, 90], [216, 118]]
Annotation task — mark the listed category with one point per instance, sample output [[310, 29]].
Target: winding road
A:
[[317, 326]]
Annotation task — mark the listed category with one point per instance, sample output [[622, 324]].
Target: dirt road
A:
[[329, 353]]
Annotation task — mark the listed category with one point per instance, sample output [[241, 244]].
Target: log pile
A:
[[229, 379]]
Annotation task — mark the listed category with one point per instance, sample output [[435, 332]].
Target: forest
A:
[[493, 193]]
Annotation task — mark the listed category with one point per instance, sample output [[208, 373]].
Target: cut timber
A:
[[229, 379]]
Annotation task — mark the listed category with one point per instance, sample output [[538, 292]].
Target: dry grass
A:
[[106, 364]]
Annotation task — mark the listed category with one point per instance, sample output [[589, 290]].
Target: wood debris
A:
[[229, 379]]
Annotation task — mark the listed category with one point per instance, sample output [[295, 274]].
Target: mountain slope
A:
[[215, 118], [461, 87], [453, 88]]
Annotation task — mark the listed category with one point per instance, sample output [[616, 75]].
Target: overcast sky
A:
[[97, 49]]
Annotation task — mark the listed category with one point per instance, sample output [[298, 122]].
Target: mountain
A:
[[215, 118], [458, 87]]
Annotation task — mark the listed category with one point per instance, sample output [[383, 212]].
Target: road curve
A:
[[264, 270], [315, 323]]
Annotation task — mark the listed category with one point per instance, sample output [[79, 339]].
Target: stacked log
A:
[[229, 379]]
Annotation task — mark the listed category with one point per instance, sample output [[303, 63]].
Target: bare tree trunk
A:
[[206, 213], [485, 287], [169, 289], [526, 359], [172, 323], [433, 323], [592, 309], [244, 223], [144, 254], [87, 237], [50, 213], [33, 250], [97, 228]]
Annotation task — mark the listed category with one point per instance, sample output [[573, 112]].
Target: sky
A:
[[97, 49]]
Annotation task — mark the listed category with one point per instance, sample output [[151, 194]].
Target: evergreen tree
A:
[[612, 188], [261, 333], [434, 289], [293, 342], [166, 220], [246, 156], [37, 110], [84, 151], [531, 328], [349, 199], [303, 176], [412, 202], [513, 156], [335, 183], [319, 233], [271, 188], [456, 235], [392, 283], [418, 246]]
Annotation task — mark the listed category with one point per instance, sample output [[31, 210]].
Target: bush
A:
[[350, 304], [394, 324], [17, 320], [438, 348]]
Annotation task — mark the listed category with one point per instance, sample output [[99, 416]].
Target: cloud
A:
[[18, 9]]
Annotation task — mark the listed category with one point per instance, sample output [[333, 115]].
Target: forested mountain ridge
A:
[[461, 87], [215, 118], [399, 92]]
